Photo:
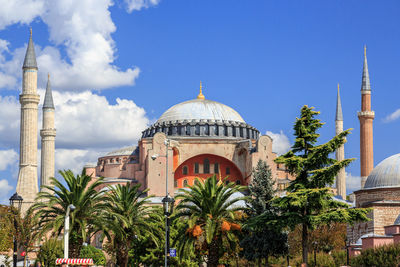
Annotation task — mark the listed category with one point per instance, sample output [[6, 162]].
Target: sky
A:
[[116, 66]]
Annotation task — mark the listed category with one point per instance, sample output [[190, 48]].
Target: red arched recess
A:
[[187, 170]]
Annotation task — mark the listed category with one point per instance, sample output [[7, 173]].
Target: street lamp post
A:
[[66, 230], [168, 202], [15, 203], [347, 245]]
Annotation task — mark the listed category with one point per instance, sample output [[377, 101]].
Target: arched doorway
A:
[[205, 166]]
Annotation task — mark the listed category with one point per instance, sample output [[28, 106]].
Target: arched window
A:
[[227, 170], [197, 130], [226, 182], [216, 167], [196, 167], [175, 183], [185, 170], [196, 181], [185, 183], [206, 166], [238, 182]]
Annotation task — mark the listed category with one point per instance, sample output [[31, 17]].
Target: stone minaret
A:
[[366, 117], [27, 185], [341, 177], [48, 134]]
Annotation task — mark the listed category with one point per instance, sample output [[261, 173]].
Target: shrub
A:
[[91, 252], [323, 260], [387, 255], [339, 257], [49, 252]]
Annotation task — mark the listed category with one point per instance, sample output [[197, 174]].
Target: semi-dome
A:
[[200, 109], [385, 174]]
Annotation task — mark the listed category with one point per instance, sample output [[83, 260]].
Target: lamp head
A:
[[154, 157], [71, 207], [16, 201]]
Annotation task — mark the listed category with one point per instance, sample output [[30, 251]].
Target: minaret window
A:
[[196, 167], [185, 170], [206, 166], [216, 167]]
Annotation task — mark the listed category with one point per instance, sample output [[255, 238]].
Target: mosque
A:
[[199, 138]]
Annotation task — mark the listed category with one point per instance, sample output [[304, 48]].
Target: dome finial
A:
[[201, 96]]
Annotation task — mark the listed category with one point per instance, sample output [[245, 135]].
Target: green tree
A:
[[96, 254], [5, 228], [129, 217], [27, 231], [262, 241], [208, 209], [309, 201], [80, 190], [49, 251]]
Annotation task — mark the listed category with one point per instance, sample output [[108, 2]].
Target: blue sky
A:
[[116, 66]]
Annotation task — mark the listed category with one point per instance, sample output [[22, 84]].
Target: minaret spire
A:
[[365, 85], [48, 134], [30, 56], [366, 117], [27, 185], [341, 176]]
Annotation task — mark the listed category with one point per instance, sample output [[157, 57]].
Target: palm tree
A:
[[210, 212], [129, 217], [80, 190]]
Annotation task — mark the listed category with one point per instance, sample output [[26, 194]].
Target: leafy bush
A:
[[323, 260], [339, 257], [91, 252], [387, 255], [49, 252]]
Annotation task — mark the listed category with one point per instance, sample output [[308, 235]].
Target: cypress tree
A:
[[265, 240], [309, 201]]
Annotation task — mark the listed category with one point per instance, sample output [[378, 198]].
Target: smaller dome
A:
[[125, 151], [385, 174]]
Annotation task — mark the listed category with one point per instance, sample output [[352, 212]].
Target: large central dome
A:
[[202, 118], [385, 174], [200, 109]]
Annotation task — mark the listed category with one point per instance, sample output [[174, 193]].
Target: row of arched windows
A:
[[206, 168], [185, 182]]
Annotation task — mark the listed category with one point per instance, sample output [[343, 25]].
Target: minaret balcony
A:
[[366, 114]]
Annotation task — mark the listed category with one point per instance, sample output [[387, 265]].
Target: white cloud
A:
[[83, 28], [75, 159], [353, 183], [7, 157], [19, 11], [140, 4], [5, 190], [9, 121], [393, 116], [280, 143], [88, 120]]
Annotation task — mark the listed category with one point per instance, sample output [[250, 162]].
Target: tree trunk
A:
[[304, 243], [266, 261], [213, 258]]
